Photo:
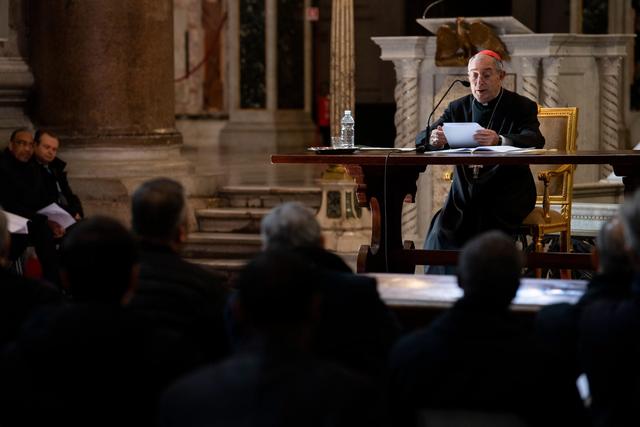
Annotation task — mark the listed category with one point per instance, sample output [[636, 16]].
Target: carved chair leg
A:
[[537, 239]]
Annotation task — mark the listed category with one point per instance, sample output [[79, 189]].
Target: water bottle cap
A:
[[347, 112]]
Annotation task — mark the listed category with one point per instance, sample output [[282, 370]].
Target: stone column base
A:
[[105, 177]]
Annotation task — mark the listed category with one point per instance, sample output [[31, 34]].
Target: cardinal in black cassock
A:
[[490, 197]]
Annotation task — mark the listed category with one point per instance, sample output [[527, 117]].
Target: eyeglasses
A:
[[24, 143]]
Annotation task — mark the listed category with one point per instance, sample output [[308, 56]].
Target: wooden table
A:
[[385, 178], [417, 299]]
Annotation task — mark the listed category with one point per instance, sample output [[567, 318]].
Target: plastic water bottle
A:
[[347, 130]]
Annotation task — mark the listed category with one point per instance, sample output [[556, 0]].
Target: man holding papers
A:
[[490, 197], [22, 193]]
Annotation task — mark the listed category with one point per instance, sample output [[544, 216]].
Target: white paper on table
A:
[[489, 148], [16, 224], [55, 213], [461, 134]]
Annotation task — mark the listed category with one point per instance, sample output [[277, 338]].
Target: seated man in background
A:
[[356, 327], [274, 380], [22, 192], [477, 356], [184, 302], [54, 176]]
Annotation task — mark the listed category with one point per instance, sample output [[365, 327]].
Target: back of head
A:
[[158, 209], [97, 259], [613, 257], [630, 215], [489, 268], [276, 290], [290, 225]]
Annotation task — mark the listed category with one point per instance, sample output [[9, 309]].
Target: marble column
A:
[[104, 83], [610, 117], [104, 71], [550, 85], [406, 97], [530, 78], [16, 79], [343, 63]]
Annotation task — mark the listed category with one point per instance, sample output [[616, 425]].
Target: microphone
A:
[[423, 146], [429, 6]]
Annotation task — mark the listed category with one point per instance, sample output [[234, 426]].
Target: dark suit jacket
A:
[[472, 357], [85, 364], [21, 187], [257, 389], [356, 328], [608, 351], [18, 298], [185, 303], [58, 176]]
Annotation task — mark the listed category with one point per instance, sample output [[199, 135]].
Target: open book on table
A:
[[490, 149]]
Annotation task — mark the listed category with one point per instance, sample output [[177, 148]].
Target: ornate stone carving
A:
[[609, 68], [530, 77], [550, 86], [406, 97]]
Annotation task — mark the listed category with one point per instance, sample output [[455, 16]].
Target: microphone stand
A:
[[423, 147]]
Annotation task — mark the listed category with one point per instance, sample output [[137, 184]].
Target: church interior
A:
[[210, 92]]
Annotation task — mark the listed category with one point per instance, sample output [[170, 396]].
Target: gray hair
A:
[[498, 63], [158, 209], [630, 215], [290, 225], [610, 243]]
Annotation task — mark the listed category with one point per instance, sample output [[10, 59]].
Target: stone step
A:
[[222, 245], [249, 196], [230, 220]]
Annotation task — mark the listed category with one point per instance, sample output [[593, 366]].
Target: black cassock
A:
[[501, 196]]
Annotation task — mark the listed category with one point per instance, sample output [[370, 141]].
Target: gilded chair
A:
[[552, 213]]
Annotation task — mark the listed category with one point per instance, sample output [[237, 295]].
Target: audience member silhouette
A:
[[274, 380], [19, 295], [476, 356], [608, 337], [88, 363], [557, 325], [356, 329], [184, 302]]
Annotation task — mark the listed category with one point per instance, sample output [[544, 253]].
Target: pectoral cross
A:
[[476, 170]]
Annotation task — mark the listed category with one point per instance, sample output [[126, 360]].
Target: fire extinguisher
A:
[[323, 111]]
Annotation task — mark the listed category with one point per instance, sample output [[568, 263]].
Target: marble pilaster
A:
[[609, 68], [550, 83]]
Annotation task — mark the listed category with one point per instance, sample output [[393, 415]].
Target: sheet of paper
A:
[[490, 149], [461, 134], [16, 224], [55, 213]]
